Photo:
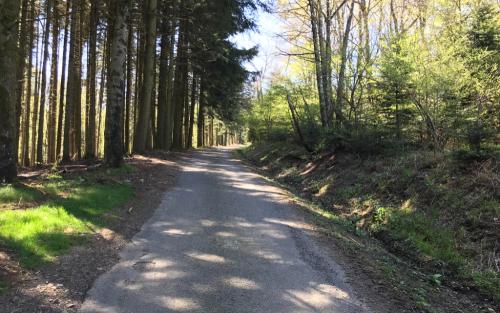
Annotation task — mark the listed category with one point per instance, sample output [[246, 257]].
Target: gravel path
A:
[[223, 240]]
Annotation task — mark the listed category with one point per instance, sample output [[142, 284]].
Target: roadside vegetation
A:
[[438, 212], [386, 115]]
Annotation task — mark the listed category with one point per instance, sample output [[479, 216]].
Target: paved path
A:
[[223, 240]]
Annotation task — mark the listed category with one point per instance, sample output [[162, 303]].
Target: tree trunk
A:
[[90, 137], [144, 120], [113, 146], [60, 117], [77, 117], [186, 113], [27, 111], [36, 99], [73, 96], [201, 116], [51, 127], [314, 14], [343, 64], [128, 96], [8, 86], [21, 64], [325, 63], [194, 90], [179, 85], [170, 93], [101, 95], [41, 112], [161, 142]]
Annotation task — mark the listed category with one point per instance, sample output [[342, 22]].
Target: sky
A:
[[267, 39]]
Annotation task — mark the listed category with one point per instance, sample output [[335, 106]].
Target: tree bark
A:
[[51, 126], [314, 15], [90, 129], [201, 116], [26, 120], [144, 120], [73, 95], [36, 99], [8, 86], [21, 63], [179, 85], [163, 85], [194, 89], [60, 117], [128, 96], [41, 112], [113, 146], [343, 64]]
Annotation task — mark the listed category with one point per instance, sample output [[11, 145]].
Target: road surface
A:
[[223, 240]]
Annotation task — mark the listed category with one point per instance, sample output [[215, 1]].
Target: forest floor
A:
[[418, 228], [62, 228]]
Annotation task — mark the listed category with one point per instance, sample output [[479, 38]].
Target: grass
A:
[[67, 210], [11, 193]]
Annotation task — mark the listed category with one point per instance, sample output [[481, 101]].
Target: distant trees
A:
[[86, 78]]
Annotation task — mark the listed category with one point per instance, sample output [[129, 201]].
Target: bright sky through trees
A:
[[267, 38]]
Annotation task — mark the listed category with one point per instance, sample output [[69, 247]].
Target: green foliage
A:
[[73, 208], [433, 86], [394, 85], [489, 281], [18, 193], [422, 203]]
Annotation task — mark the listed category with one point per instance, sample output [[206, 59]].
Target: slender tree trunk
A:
[[152, 120], [201, 116], [211, 131], [179, 85], [128, 96], [163, 86], [41, 112], [328, 64], [90, 129], [113, 146], [36, 99], [77, 117], [27, 111], [73, 89], [169, 120], [138, 74], [343, 64], [317, 60], [325, 62], [8, 86], [51, 127], [101, 95], [186, 113], [194, 90], [60, 117], [21, 64], [144, 120]]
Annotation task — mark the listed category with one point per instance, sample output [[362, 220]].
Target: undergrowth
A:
[[434, 208], [43, 218]]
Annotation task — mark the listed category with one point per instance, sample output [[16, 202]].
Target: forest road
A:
[[223, 240]]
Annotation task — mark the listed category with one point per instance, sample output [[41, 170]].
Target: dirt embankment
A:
[[427, 226]]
